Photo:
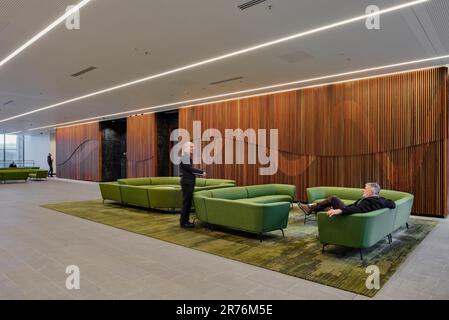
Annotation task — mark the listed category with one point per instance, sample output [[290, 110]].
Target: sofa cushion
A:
[[324, 192], [200, 182], [260, 190], [395, 195], [135, 181], [345, 193], [165, 180], [267, 199], [230, 193], [215, 182], [170, 186], [345, 201]]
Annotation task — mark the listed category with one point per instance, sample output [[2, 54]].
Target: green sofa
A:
[[38, 174], [155, 192], [257, 209], [360, 230], [14, 174]]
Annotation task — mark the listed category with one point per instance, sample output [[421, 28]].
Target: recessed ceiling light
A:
[[222, 57], [251, 91], [44, 31]]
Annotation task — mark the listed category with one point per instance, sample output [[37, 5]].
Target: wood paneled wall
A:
[[78, 152], [141, 146], [390, 129]]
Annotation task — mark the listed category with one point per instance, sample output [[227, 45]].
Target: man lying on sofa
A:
[[334, 206]]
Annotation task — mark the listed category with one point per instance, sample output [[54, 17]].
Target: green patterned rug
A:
[[298, 254]]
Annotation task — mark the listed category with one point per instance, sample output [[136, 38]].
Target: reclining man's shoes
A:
[[187, 225], [305, 208]]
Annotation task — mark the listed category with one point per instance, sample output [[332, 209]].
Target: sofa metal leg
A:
[[324, 246], [260, 237], [283, 234], [406, 224], [361, 254], [390, 238]]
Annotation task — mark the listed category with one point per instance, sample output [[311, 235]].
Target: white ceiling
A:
[[127, 40]]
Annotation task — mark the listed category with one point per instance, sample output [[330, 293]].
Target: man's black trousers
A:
[[187, 195]]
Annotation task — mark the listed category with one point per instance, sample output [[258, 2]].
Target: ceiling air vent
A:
[[79, 73], [250, 4], [226, 80], [8, 102]]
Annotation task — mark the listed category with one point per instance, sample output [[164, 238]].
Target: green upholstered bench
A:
[[14, 175], [257, 209], [10, 174], [38, 174], [360, 230]]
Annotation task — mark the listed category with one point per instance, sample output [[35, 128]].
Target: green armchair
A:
[[360, 230]]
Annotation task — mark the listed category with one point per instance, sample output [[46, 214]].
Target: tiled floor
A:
[[36, 246]]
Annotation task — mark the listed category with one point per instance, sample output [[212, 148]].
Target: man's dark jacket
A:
[[187, 172], [368, 204]]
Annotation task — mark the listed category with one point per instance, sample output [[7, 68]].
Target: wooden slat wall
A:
[[391, 129], [78, 152], [141, 146]]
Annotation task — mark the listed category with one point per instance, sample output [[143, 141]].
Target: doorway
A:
[[113, 150], [166, 123]]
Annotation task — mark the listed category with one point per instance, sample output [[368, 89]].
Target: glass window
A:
[[11, 149], [2, 153]]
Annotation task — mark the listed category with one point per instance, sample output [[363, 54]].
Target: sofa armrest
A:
[[360, 230], [286, 189], [403, 210]]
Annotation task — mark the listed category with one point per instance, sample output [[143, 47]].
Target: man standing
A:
[[188, 178], [370, 201], [50, 164]]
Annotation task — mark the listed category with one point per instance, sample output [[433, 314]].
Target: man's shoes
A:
[[187, 225], [305, 208]]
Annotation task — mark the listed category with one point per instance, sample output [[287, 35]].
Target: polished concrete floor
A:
[[36, 246]]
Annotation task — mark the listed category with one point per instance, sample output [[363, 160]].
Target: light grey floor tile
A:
[[36, 245]]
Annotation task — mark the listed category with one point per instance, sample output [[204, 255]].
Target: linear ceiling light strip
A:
[[222, 57]]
